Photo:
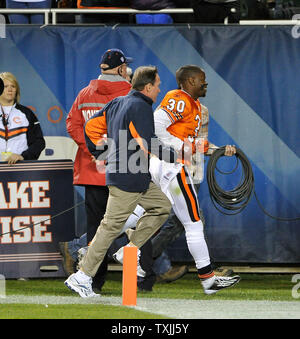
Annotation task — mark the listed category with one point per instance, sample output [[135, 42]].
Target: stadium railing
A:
[[55, 11]]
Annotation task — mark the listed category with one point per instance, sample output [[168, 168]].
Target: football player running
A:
[[181, 122]]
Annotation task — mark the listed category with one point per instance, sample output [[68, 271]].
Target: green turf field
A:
[[256, 296]]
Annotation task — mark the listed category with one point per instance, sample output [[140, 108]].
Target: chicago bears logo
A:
[[17, 120]]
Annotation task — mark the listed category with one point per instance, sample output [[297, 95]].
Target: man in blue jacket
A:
[[124, 131]]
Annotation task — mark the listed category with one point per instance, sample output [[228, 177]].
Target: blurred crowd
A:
[[204, 11], [107, 18]]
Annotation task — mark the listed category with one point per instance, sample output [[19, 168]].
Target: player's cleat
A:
[[81, 286], [219, 283], [118, 257]]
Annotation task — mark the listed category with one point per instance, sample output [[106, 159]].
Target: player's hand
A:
[[186, 152], [202, 145], [230, 150]]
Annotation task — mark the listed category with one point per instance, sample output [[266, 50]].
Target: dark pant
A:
[[27, 18], [105, 18], [146, 262], [95, 206]]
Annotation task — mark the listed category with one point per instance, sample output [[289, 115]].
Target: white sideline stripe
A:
[[181, 308]]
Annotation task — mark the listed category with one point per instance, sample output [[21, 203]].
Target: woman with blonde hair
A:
[[21, 136]]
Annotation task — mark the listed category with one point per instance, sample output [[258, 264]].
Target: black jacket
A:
[[35, 139]]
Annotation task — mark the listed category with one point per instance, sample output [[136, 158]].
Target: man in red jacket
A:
[[110, 84]]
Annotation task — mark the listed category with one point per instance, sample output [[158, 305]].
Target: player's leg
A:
[[186, 207]]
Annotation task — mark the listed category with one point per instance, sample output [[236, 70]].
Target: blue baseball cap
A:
[[113, 58]]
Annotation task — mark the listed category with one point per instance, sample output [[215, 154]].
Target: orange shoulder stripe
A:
[[190, 195]]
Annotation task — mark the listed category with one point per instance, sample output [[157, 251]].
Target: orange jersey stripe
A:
[[190, 195]]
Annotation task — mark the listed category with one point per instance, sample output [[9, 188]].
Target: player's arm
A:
[[161, 123]]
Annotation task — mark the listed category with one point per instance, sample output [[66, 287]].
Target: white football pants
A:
[[181, 192]]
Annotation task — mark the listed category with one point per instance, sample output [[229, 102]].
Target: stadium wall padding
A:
[[253, 98]]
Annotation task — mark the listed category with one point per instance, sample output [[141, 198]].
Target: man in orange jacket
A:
[[109, 85]]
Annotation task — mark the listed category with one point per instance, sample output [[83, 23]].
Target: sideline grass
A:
[[251, 287], [265, 287], [74, 311]]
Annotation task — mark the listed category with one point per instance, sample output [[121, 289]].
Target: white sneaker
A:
[[80, 285], [118, 257], [215, 284]]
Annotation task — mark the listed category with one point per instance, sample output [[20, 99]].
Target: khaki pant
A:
[[120, 205]]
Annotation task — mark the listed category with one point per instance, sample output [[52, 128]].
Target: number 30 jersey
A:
[[178, 115]]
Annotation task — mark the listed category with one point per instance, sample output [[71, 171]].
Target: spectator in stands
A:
[[216, 11], [66, 17], [4, 18], [104, 18], [161, 18], [37, 19], [153, 5], [21, 133]]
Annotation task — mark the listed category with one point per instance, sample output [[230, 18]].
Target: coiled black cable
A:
[[237, 199]]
